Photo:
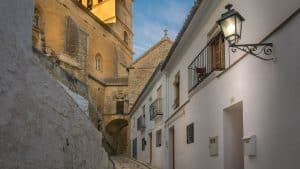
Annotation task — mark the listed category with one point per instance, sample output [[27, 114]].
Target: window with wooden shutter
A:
[[120, 107], [76, 42], [218, 52], [190, 133], [177, 90], [71, 44], [158, 93]]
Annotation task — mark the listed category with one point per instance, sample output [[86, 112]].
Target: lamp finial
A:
[[228, 7]]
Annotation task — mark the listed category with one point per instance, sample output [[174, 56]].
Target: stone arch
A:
[[115, 126], [116, 134]]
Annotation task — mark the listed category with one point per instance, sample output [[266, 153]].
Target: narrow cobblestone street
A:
[[122, 162]]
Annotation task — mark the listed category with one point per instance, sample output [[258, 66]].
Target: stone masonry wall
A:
[[142, 69], [40, 125]]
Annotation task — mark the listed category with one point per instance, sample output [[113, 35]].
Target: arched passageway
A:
[[116, 136]]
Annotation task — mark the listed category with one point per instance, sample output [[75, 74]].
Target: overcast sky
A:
[[151, 17]]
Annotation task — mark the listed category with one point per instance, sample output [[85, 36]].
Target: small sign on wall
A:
[[250, 146], [213, 146]]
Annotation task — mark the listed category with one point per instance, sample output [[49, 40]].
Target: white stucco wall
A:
[[151, 125], [269, 91]]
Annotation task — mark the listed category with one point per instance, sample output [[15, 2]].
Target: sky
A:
[[151, 17]]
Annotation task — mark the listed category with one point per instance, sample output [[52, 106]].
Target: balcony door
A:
[[218, 52]]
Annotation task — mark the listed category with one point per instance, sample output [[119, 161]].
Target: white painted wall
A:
[[151, 125], [270, 91]]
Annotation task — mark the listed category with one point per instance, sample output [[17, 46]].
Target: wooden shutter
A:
[[158, 92], [190, 133], [71, 46], [218, 53], [82, 47]]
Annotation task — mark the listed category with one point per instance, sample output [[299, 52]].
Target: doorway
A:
[[150, 148], [233, 134], [172, 148], [134, 148]]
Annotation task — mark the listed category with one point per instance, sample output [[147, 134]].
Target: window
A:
[[158, 92], [120, 107], [98, 62], [176, 90], [141, 122], [133, 121], [71, 37], [90, 4], [190, 133], [125, 37], [76, 41], [82, 47], [218, 52], [158, 138], [36, 18], [144, 143]]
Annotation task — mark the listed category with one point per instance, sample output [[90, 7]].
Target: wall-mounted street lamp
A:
[[231, 25]]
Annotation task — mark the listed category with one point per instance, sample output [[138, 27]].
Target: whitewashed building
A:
[[147, 121], [224, 108]]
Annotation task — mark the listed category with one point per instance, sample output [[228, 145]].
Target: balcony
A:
[[141, 125], [156, 109], [211, 58]]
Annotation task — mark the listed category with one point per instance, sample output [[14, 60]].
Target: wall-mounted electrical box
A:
[[213, 146], [250, 146]]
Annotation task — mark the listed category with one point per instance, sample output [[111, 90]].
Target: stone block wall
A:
[[40, 125], [142, 69]]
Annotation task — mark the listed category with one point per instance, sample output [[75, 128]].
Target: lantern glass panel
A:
[[238, 27], [229, 28]]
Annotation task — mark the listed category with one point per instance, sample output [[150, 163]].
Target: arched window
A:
[[125, 37], [98, 62], [36, 18]]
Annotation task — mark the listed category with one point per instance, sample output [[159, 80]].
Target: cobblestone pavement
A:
[[122, 162]]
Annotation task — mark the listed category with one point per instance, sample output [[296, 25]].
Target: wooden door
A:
[[171, 148], [150, 148], [134, 148], [218, 53]]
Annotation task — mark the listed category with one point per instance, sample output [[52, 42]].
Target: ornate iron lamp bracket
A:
[[256, 50]]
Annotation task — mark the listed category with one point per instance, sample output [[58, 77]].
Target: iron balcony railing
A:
[[200, 67], [156, 108], [141, 123]]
